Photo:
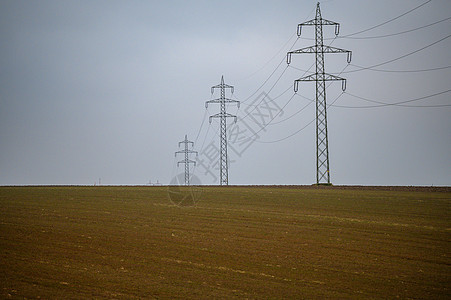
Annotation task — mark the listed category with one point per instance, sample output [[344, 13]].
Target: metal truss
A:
[[223, 115], [186, 161], [320, 77]]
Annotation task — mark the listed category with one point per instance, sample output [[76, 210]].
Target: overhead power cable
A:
[[280, 50], [296, 113], [400, 71], [350, 36], [392, 60], [269, 77], [202, 147], [283, 59], [267, 93], [311, 101], [388, 21], [361, 68], [333, 105], [392, 34], [305, 72], [304, 107], [271, 100], [399, 103], [201, 125], [398, 58], [299, 130], [263, 127]]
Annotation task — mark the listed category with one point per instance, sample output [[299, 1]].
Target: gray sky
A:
[[107, 89]]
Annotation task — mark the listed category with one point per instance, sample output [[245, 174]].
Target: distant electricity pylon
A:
[[320, 77], [223, 115], [186, 161]]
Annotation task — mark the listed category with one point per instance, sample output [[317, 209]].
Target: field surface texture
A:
[[236, 242]]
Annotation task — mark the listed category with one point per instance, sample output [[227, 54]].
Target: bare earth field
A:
[[237, 242]]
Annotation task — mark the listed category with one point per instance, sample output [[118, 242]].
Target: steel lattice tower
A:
[[223, 115], [186, 161], [320, 77]]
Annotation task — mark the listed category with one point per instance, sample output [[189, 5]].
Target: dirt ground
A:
[[267, 242]]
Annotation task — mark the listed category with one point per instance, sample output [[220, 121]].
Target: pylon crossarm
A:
[[189, 161], [227, 100], [311, 49], [322, 22], [213, 101], [329, 49], [306, 23], [222, 85], [219, 100], [327, 22], [219, 115], [325, 49], [314, 77], [329, 77], [311, 77]]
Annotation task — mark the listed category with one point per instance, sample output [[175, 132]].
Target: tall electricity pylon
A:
[[223, 115], [320, 77], [186, 161]]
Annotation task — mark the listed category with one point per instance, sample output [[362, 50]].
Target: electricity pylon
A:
[[186, 161], [223, 115], [320, 77]]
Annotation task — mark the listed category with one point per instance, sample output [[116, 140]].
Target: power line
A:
[[400, 57], [285, 138], [399, 103], [299, 130], [201, 125], [305, 72], [361, 68], [388, 21], [399, 71], [263, 126], [203, 144], [271, 100], [304, 107], [283, 72], [296, 113], [349, 36], [272, 73], [270, 121], [393, 34], [280, 50]]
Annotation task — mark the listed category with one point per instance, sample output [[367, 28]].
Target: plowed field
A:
[[237, 242]]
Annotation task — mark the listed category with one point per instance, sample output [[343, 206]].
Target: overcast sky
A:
[[107, 89]]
